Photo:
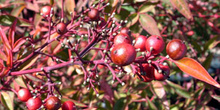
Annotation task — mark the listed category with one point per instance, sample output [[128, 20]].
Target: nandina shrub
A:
[[60, 51]]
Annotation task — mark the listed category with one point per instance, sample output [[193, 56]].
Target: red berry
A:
[[61, 28], [148, 74], [176, 49], [93, 14], [163, 73], [24, 94], [102, 23], [122, 38], [140, 43], [53, 103], [68, 105], [125, 30], [45, 11], [33, 103], [155, 44], [123, 54]]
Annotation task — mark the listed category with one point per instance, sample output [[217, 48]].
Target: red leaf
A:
[[196, 70], [3, 56], [11, 35], [4, 39], [149, 24], [182, 7], [17, 44]]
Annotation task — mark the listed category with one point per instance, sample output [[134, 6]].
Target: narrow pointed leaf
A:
[[7, 100], [149, 24], [16, 11], [11, 36], [3, 56], [196, 70], [132, 19], [147, 7], [17, 44], [182, 7], [4, 39], [179, 90], [9, 60], [216, 97], [7, 20]]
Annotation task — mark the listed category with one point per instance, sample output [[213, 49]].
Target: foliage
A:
[[76, 65]]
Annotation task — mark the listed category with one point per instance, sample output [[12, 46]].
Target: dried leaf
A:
[[196, 70], [149, 24], [182, 7]]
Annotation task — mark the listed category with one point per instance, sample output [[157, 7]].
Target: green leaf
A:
[[119, 105], [7, 99], [132, 19], [179, 90], [147, 7], [151, 105], [206, 64], [149, 24], [211, 43], [128, 8], [7, 20]]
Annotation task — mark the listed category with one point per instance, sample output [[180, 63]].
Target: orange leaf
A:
[[182, 7], [196, 70]]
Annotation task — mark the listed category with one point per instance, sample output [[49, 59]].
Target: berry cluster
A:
[[109, 38]]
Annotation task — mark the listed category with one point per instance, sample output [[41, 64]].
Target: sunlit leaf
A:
[[182, 7], [211, 43], [20, 82], [7, 99], [149, 24], [18, 43], [132, 19], [196, 70], [3, 56], [128, 8], [179, 90], [147, 7], [11, 35], [17, 10], [4, 39], [70, 5], [216, 97], [8, 20]]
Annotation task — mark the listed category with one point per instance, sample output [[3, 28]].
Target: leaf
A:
[[33, 78], [159, 90], [9, 60], [149, 24], [11, 35], [7, 20], [17, 44], [151, 105], [182, 7], [216, 97], [32, 6], [119, 104], [132, 19], [211, 43], [196, 70], [128, 8], [147, 7], [3, 56], [7, 99], [16, 11], [4, 39], [179, 90], [206, 64], [20, 82], [70, 5], [28, 63]]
